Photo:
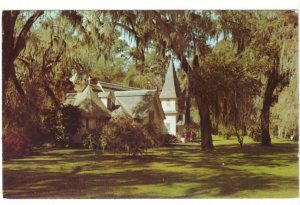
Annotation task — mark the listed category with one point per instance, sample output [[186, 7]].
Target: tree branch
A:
[[17, 84], [21, 40]]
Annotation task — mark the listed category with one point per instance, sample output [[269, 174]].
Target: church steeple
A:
[[171, 89], [170, 97]]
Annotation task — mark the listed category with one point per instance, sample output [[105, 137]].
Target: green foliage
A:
[[225, 131], [121, 135], [284, 114], [70, 120], [52, 125], [61, 124], [94, 140], [255, 133]]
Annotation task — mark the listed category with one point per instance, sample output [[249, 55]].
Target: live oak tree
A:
[[275, 42], [184, 34], [16, 26], [13, 44], [40, 49], [272, 36], [234, 89]]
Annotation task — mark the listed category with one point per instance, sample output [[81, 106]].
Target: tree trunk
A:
[[201, 96], [265, 121], [202, 102], [187, 107], [12, 46], [8, 20], [244, 130], [273, 80], [205, 124]]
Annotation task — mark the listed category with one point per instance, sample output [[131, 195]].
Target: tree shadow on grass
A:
[[229, 183], [123, 177], [253, 155], [125, 184], [109, 185]]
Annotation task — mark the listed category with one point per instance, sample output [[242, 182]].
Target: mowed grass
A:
[[176, 171]]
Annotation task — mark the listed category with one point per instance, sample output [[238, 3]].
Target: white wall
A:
[[169, 105], [170, 123]]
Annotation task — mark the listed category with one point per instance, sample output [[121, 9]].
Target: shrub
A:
[[227, 132], [52, 125], [94, 140], [128, 135], [168, 139], [121, 135], [255, 133], [15, 145], [136, 138], [61, 124], [70, 121]]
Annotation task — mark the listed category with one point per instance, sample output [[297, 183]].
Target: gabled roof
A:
[[171, 87], [119, 111], [88, 103], [136, 103]]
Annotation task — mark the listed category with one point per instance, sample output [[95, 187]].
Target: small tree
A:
[[61, 124], [71, 121], [121, 135], [52, 125], [94, 140]]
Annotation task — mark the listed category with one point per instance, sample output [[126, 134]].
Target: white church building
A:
[[147, 106]]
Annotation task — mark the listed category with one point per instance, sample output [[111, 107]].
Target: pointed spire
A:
[[170, 88]]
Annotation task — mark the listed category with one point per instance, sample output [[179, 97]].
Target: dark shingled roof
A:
[[171, 87]]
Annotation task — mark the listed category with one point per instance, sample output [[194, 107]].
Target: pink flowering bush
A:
[[15, 146]]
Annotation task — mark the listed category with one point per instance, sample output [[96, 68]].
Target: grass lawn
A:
[[176, 171]]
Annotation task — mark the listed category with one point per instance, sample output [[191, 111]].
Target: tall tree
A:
[[13, 44], [267, 33], [185, 34], [277, 32]]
